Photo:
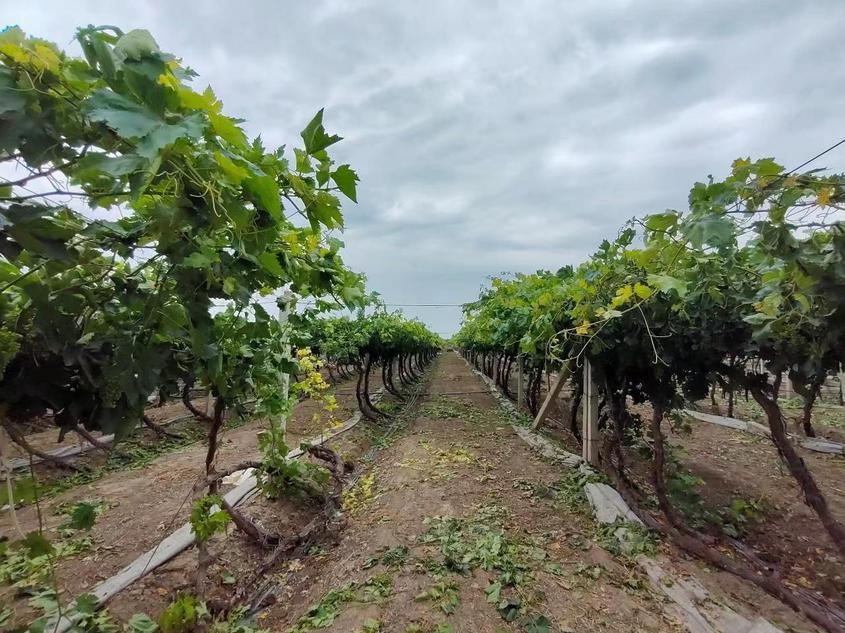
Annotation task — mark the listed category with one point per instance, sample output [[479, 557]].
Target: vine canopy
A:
[[135, 205]]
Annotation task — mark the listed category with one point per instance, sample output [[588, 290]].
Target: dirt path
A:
[[458, 480], [457, 505]]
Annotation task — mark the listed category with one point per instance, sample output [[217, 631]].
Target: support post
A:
[[841, 384], [284, 310], [520, 384], [590, 430], [550, 397], [788, 389]]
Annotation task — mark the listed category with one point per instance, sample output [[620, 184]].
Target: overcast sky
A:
[[504, 136]]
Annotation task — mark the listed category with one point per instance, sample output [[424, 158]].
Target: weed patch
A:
[[480, 542], [395, 558], [323, 614], [452, 408]]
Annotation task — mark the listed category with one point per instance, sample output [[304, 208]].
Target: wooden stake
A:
[[550, 397]]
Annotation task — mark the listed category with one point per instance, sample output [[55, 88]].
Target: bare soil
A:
[[451, 456], [735, 465], [149, 503]]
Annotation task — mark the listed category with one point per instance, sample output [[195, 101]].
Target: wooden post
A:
[[520, 384], [590, 430], [550, 397]]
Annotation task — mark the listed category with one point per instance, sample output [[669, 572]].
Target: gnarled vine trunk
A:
[[812, 494]]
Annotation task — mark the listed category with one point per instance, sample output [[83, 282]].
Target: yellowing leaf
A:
[[640, 257], [741, 163], [40, 57], [207, 101], [168, 81], [584, 328], [16, 53], [824, 196], [46, 56], [622, 295], [802, 299], [642, 291]]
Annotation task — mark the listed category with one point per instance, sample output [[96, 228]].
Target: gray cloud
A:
[[502, 136]]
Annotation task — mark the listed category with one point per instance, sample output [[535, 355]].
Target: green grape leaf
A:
[[665, 283], [539, 624], [494, 592], [136, 44], [314, 135], [93, 165], [11, 98], [270, 263], [142, 623], [266, 192], [190, 128], [345, 179], [303, 161], [711, 231], [126, 117], [661, 221], [200, 259], [234, 172], [86, 604], [227, 129], [758, 318], [326, 210]]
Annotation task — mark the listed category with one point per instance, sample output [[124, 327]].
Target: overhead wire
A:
[[817, 156]]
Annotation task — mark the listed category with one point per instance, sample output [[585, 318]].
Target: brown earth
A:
[[149, 503], [732, 465], [452, 456], [738, 465], [444, 466]]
